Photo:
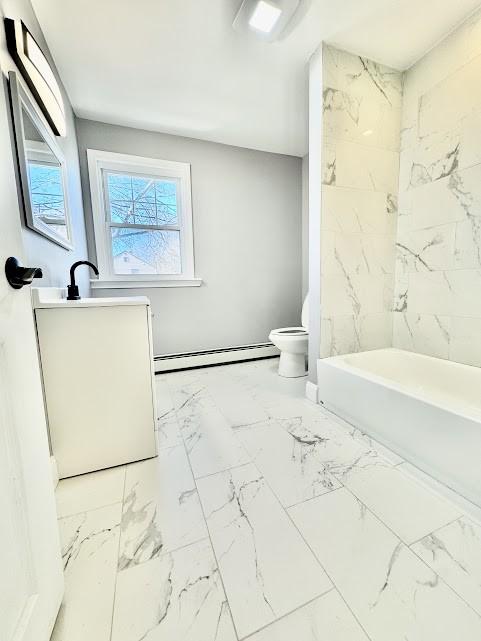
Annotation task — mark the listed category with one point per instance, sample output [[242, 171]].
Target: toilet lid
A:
[[305, 313]]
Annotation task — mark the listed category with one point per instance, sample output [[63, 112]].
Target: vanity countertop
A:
[[49, 297]]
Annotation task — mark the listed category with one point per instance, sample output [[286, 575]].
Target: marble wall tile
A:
[[325, 618], [465, 285], [357, 253], [361, 77], [465, 345], [362, 167], [440, 190], [401, 288], [177, 597], [427, 249], [345, 294], [251, 534], [361, 121], [354, 211], [423, 333], [328, 162], [161, 508], [439, 111], [357, 119], [90, 543], [349, 334], [433, 157], [454, 552], [431, 293], [392, 593]]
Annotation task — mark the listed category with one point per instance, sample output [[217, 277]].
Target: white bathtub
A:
[[425, 409]]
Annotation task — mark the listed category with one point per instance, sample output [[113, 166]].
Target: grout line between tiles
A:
[[407, 546], [94, 509], [441, 527], [327, 573], [287, 614], [117, 558], [208, 534]]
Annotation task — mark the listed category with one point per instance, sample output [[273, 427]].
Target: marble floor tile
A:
[[339, 450], [161, 509], [289, 462], [454, 552], [89, 549], [210, 441], [371, 443], [176, 597], [234, 401], [267, 568], [409, 509], [168, 433], [392, 593], [90, 491], [249, 466], [165, 402], [324, 619]]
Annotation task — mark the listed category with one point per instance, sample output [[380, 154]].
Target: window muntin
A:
[[143, 215], [142, 218]]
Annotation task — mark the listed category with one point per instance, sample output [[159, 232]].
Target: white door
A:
[[31, 578]]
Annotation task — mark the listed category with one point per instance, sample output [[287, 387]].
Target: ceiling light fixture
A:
[[265, 16], [265, 19]]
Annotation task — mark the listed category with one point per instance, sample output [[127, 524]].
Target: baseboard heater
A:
[[187, 360]]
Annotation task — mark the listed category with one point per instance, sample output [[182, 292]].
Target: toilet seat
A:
[[290, 331]]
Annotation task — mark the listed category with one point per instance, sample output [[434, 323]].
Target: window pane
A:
[[142, 200], [140, 251], [46, 195]]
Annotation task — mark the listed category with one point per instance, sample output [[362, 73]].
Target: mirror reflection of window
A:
[[45, 181]]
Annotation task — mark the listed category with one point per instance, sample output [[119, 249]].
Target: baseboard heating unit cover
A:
[[186, 360]]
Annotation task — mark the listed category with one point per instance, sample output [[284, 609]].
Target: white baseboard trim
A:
[[54, 471], [170, 362], [312, 392]]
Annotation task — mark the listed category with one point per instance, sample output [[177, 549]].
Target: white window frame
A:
[[98, 162]]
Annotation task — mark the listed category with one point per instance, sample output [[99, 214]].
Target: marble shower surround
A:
[[437, 306], [361, 137]]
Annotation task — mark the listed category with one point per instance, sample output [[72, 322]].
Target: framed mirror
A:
[[41, 168]]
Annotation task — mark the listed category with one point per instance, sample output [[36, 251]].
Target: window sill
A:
[[143, 284]]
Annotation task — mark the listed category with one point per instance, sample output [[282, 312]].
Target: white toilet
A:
[[292, 343]]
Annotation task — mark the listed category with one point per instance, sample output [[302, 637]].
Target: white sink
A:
[[48, 297]]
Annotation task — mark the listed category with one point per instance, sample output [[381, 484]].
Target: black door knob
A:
[[18, 276]]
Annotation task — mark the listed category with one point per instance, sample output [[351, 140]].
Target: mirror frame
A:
[[20, 99]]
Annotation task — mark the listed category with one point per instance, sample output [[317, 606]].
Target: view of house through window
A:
[[144, 224]]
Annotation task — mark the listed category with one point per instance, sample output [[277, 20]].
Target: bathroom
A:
[[240, 352]]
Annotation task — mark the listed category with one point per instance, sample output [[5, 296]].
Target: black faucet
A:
[[72, 289]]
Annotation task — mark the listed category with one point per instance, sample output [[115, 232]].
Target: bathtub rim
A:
[[469, 412]]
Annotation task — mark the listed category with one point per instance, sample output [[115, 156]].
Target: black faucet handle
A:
[[73, 292]]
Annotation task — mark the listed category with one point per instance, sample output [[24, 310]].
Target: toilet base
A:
[[292, 365]]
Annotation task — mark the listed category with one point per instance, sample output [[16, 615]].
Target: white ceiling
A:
[[178, 66]]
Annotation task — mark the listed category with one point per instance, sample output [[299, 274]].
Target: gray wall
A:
[[305, 225], [247, 239], [40, 252]]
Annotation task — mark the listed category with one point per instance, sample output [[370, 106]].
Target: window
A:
[[142, 221]]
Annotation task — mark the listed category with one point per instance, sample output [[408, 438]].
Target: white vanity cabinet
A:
[[97, 368]]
